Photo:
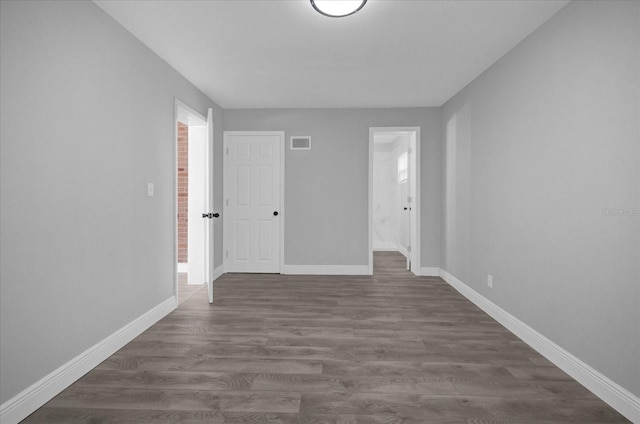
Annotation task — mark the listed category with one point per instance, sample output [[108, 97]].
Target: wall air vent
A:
[[301, 143]]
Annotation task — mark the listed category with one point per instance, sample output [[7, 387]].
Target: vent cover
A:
[[301, 143]]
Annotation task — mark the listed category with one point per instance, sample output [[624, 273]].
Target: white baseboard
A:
[[612, 393], [217, 273], [429, 271], [326, 269], [183, 267], [391, 248], [33, 397]]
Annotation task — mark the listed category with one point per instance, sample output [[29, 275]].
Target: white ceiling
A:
[[283, 54]]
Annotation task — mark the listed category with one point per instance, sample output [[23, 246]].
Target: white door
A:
[[407, 210], [197, 204], [252, 201], [208, 195]]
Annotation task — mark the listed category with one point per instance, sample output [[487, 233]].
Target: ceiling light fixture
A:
[[337, 8]]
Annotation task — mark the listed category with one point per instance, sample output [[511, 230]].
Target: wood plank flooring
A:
[[392, 348]]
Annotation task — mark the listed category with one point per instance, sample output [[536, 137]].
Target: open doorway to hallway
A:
[[192, 199], [394, 198]]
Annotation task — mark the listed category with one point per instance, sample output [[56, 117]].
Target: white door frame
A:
[[182, 110], [414, 236], [209, 203], [281, 188]]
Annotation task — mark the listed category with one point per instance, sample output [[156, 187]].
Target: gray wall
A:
[[86, 122], [326, 188], [548, 137]]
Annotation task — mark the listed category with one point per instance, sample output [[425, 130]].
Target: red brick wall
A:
[[183, 192]]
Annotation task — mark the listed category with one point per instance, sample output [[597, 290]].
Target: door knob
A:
[[275, 213], [210, 215], [216, 215]]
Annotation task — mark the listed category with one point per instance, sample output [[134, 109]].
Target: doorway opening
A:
[[394, 200], [193, 147]]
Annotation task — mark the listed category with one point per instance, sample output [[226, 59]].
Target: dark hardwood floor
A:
[[392, 348]]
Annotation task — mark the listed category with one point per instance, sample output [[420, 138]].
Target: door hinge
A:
[[227, 151], [226, 254], [227, 202], [409, 248]]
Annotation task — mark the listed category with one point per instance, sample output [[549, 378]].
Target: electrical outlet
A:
[[490, 281]]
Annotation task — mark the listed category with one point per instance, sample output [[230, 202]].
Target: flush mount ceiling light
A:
[[338, 8]]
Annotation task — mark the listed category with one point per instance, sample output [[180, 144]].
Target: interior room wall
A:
[[87, 120], [326, 188], [547, 185]]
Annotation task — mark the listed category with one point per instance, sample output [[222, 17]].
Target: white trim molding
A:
[[612, 393], [385, 246], [217, 273], [33, 397], [326, 269]]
